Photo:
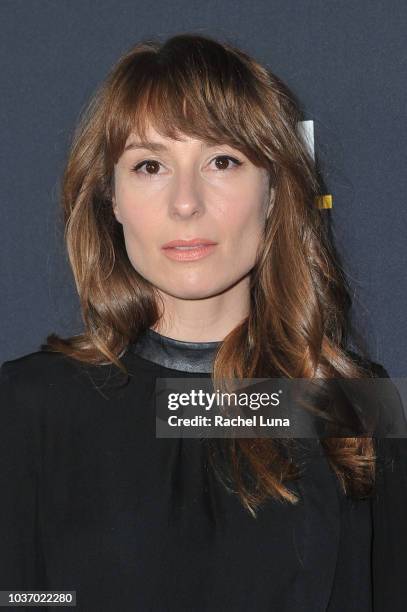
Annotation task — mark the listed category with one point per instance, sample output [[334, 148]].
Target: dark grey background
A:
[[345, 61]]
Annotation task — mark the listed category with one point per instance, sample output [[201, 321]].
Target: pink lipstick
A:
[[188, 250]]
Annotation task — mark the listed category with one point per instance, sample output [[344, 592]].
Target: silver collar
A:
[[175, 354]]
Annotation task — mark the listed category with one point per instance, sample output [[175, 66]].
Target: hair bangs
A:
[[177, 99]]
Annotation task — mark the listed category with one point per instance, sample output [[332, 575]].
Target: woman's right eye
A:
[[150, 164]]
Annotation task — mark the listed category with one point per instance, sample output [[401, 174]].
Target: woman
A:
[[194, 140]]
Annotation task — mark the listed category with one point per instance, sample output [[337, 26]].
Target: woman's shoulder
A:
[[377, 369], [42, 373], [35, 367], [45, 376], [393, 413]]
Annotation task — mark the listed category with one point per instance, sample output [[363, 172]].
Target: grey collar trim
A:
[[175, 354]]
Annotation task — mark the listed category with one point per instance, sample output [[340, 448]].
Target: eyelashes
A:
[[137, 168]]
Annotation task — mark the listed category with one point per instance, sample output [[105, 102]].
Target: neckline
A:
[[182, 355]]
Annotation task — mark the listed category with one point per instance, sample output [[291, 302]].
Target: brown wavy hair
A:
[[298, 323]]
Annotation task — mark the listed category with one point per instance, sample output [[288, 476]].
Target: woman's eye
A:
[[224, 159], [152, 166]]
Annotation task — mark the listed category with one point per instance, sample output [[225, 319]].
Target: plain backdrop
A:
[[345, 61]]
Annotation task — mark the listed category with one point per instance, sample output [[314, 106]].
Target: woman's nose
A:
[[187, 197]]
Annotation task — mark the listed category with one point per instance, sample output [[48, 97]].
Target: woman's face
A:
[[181, 190]]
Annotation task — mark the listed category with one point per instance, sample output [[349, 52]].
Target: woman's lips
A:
[[189, 253]]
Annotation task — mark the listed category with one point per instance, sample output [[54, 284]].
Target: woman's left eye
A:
[[224, 158]]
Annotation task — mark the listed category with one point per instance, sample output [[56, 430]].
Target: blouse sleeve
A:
[[21, 558], [389, 517]]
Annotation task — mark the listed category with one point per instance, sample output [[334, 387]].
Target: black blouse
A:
[[92, 501]]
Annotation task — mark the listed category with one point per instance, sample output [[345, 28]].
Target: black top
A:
[[92, 501]]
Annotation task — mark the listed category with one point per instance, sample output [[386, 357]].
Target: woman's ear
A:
[[270, 205], [115, 209], [112, 197]]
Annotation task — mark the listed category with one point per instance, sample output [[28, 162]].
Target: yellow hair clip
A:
[[324, 201]]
